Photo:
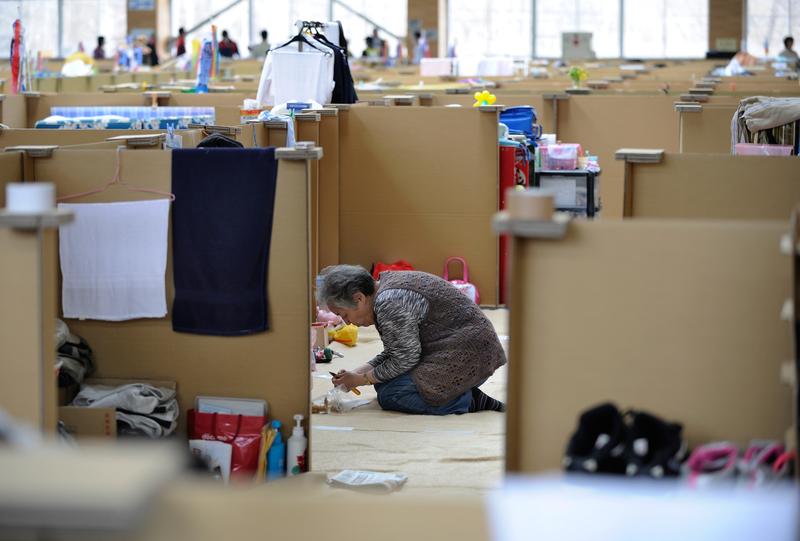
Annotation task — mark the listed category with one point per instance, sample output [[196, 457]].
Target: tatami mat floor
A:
[[453, 454]]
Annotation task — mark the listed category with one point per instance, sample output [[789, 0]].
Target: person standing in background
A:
[[259, 50], [99, 52], [228, 47], [180, 43], [788, 54], [153, 54]]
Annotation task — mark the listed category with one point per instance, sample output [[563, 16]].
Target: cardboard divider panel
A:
[[27, 326], [715, 186], [329, 185], [13, 111], [603, 124], [271, 365], [308, 130], [10, 171], [686, 326], [420, 184], [708, 131]]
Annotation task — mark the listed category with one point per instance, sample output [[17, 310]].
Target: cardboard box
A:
[[99, 422]]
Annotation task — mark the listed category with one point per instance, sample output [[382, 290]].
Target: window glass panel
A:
[[188, 13], [600, 17], [40, 21], [768, 22], [666, 29], [483, 28], [84, 20]]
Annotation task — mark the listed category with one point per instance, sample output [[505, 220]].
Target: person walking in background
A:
[[99, 53], [228, 47], [180, 43], [259, 50]]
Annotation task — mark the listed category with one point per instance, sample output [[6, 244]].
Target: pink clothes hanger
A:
[[116, 180]]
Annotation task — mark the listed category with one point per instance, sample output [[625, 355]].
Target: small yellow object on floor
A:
[[347, 335]]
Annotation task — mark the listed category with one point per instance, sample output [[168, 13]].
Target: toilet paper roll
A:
[[30, 197], [530, 204]]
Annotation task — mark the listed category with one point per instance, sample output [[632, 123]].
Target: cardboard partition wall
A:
[[711, 186], [10, 171], [12, 110], [320, 126], [686, 326], [27, 328], [603, 124], [272, 365], [706, 130], [420, 184]]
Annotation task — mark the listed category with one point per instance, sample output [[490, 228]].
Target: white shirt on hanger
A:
[[291, 75]]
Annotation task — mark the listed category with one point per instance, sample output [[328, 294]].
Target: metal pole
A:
[[743, 42], [533, 28], [621, 28], [61, 28], [251, 23], [330, 10]]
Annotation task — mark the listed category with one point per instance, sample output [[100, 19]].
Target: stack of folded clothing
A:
[[142, 409], [73, 355]]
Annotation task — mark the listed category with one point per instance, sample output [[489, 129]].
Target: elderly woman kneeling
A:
[[439, 347]]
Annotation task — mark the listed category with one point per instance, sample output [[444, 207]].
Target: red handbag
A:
[[468, 289], [399, 265], [243, 432]]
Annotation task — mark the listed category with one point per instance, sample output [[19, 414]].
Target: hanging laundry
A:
[[221, 230], [113, 260], [307, 67], [296, 76]]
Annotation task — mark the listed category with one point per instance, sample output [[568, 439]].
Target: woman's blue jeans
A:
[[401, 394]]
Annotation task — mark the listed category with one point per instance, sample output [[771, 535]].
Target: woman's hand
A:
[[348, 380]]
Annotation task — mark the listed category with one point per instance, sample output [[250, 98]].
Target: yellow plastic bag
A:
[[347, 335]]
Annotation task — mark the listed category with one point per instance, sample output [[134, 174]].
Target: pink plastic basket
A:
[[752, 149], [562, 157]]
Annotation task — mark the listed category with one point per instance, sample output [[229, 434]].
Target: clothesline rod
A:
[[367, 19]]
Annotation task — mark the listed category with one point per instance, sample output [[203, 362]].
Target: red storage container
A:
[[514, 171]]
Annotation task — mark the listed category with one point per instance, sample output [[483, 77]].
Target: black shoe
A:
[[655, 448], [598, 444]]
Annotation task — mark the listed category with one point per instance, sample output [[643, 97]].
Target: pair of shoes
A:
[[764, 462], [634, 443]]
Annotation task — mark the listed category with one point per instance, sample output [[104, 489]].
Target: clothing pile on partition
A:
[[74, 357], [312, 65], [767, 121], [142, 409]]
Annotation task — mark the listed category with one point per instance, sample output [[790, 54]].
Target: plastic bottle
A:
[[296, 453], [276, 456]]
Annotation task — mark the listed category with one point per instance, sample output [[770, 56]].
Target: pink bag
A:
[[462, 285]]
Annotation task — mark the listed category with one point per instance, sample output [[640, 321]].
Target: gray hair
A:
[[337, 284]]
